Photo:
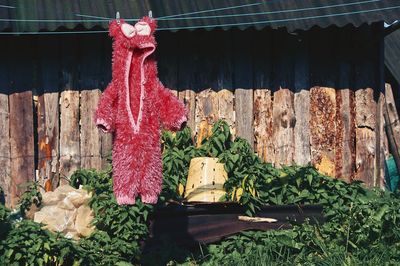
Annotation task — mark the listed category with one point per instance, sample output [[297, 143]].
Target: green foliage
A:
[[28, 244], [358, 220], [362, 226], [119, 228], [31, 196], [5, 225]]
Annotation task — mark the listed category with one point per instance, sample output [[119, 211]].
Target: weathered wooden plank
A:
[[383, 143], [365, 135], [206, 107], [48, 138], [106, 148], [393, 117], [5, 156], [322, 129], [283, 124], [189, 98], [21, 144], [90, 141], [302, 152], [345, 135], [263, 130], [69, 133], [345, 109], [244, 114], [301, 131], [226, 109], [392, 113]]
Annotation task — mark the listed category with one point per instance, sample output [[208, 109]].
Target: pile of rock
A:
[[66, 210]]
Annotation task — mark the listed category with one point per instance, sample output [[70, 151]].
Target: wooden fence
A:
[[331, 129], [308, 99]]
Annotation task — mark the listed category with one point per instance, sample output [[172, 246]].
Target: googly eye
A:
[[128, 30], [142, 28]]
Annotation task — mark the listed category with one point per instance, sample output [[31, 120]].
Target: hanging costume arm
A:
[[105, 113]]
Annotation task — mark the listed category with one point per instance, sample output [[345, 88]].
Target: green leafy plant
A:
[[120, 229], [31, 196], [362, 226], [28, 244]]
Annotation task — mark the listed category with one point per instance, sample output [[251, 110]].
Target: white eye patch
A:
[[140, 28], [128, 30]]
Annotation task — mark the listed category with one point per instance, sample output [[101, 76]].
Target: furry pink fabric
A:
[[134, 107]]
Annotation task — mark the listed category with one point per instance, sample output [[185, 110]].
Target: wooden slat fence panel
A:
[[5, 160], [345, 135], [322, 128], [21, 143], [392, 113], [90, 138], [263, 130], [69, 133], [48, 138], [106, 148], [302, 152], [365, 135], [244, 114], [384, 144], [226, 110], [283, 124], [189, 98], [206, 113]]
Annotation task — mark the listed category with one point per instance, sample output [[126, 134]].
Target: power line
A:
[[214, 25], [89, 16], [277, 11], [4, 6], [105, 19], [280, 20], [209, 10]]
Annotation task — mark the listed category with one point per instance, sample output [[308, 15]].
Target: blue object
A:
[[391, 176]]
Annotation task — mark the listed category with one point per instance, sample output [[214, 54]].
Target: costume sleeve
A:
[[105, 113], [172, 111]]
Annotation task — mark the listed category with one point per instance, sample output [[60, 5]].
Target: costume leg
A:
[[151, 180], [125, 176]]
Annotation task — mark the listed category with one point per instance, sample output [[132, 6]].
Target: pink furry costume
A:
[[134, 106]]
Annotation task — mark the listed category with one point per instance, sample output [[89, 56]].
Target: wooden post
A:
[[48, 111], [69, 108], [189, 98], [243, 83], [393, 116], [69, 134], [5, 156], [322, 124], [206, 107], [365, 135], [226, 109], [90, 138], [22, 143], [392, 142], [244, 114], [263, 98], [345, 110], [48, 138], [301, 131], [283, 124], [263, 129], [345, 135]]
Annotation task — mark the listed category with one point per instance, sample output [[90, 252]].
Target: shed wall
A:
[[304, 98]]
